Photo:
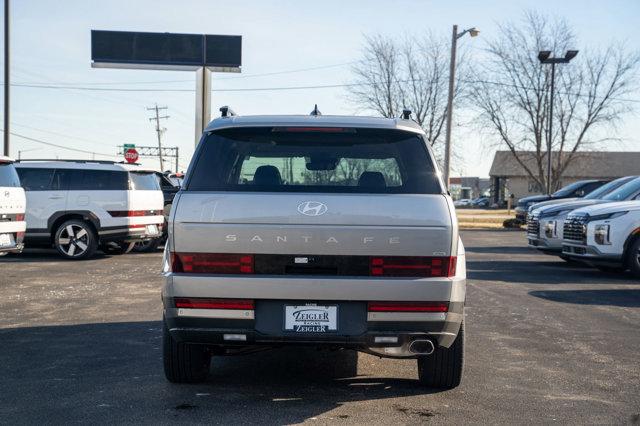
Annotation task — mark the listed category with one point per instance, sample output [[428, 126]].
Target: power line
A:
[[243, 76], [283, 88], [58, 146]]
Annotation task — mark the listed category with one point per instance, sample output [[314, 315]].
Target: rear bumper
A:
[[16, 248], [16, 232], [127, 234], [356, 328]]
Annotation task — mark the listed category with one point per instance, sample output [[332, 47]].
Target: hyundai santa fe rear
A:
[[319, 230]]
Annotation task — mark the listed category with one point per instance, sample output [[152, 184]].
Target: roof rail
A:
[[315, 111], [225, 111], [67, 160]]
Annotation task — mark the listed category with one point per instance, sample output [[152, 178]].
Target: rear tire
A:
[[117, 248], [633, 257], [75, 240], [183, 362], [443, 368]]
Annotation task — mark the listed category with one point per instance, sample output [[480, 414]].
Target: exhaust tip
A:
[[421, 347]]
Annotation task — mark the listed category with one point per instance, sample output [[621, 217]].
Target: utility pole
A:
[[6, 78], [159, 130]]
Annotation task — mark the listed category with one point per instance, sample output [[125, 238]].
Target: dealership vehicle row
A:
[[601, 229]]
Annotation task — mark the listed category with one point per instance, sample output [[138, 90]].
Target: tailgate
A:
[[323, 224]]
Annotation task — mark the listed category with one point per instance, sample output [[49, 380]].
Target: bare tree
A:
[[395, 75], [512, 94]]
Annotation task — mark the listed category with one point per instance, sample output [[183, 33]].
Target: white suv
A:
[[78, 206], [606, 236], [12, 207]]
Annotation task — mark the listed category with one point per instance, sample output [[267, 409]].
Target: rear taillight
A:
[[408, 307], [19, 217], [201, 303], [133, 213], [212, 263], [412, 266]]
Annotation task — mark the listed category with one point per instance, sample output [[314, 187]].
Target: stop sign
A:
[[131, 155]]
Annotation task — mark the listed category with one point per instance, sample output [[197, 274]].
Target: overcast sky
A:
[[51, 45]]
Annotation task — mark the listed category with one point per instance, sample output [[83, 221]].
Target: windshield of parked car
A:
[[568, 190], [625, 192], [607, 188], [317, 160], [8, 175]]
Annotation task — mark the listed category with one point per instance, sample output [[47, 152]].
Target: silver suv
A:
[[314, 230]]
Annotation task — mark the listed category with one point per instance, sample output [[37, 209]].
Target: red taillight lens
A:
[[412, 266], [408, 306], [314, 129], [193, 303], [19, 217], [212, 263], [133, 213]]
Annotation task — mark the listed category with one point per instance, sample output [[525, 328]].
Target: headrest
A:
[[372, 180], [267, 175]]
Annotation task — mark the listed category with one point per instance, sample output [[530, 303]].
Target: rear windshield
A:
[[329, 161], [8, 175], [143, 181]]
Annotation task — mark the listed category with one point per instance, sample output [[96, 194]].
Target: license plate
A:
[[310, 318], [6, 240], [152, 229]]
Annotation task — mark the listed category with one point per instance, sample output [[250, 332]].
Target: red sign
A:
[[131, 155]]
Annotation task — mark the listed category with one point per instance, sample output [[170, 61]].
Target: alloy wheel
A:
[[73, 240]]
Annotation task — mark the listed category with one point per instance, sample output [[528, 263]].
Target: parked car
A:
[[481, 203], [574, 190], [176, 178], [169, 191], [12, 208], [464, 202], [545, 224], [606, 236], [80, 206], [274, 240]]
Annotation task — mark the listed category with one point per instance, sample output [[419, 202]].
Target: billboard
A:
[[126, 49]]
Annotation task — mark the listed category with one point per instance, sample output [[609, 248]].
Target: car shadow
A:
[[500, 250], [539, 272], [627, 298], [113, 372]]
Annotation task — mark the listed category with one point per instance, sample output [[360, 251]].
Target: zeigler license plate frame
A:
[[311, 318]]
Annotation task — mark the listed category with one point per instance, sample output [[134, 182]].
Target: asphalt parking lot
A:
[[547, 343]]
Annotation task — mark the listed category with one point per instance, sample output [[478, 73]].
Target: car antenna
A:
[[315, 111]]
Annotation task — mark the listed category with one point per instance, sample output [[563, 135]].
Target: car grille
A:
[[533, 225], [575, 228]]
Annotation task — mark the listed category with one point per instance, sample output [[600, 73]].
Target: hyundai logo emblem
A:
[[312, 208]]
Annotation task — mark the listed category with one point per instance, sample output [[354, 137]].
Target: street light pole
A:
[[452, 71], [6, 78], [544, 57], [550, 125]]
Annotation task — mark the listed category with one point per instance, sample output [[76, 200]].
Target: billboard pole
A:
[[203, 101]]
